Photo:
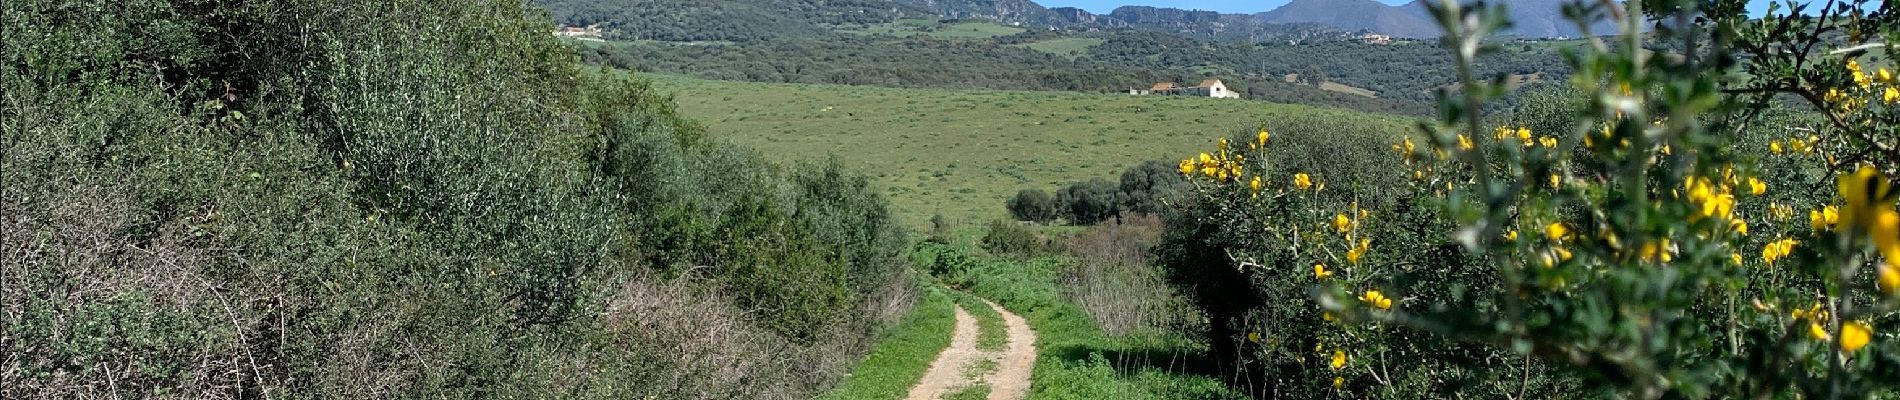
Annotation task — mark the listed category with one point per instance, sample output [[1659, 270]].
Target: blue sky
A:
[[1756, 7]]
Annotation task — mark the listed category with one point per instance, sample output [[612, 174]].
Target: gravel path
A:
[[950, 372]]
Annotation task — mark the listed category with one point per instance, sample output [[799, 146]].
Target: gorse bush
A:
[[304, 198], [1666, 230], [1033, 205]]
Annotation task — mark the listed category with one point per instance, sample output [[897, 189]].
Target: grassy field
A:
[[1070, 47], [961, 153]]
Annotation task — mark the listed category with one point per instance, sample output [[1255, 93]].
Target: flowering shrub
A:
[[1651, 243]]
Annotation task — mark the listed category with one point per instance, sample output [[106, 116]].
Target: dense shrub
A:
[[1088, 202], [1639, 233], [1011, 239], [1033, 205], [305, 198], [1150, 187]]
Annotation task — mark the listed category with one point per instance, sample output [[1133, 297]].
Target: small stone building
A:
[[1207, 88]]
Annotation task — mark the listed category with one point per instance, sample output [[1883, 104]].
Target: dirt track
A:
[[951, 371]]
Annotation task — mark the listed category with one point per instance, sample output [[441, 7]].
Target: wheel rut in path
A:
[[952, 370]]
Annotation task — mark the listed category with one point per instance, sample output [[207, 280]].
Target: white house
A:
[[1207, 88]]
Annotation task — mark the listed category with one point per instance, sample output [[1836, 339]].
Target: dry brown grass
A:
[[1113, 280]]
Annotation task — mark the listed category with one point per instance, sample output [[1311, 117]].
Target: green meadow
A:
[[960, 153]]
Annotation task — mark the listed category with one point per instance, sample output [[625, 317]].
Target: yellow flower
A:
[[1511, 235], [1735, 257], [1359, 251], [1342, 223], [1892, 95], [1339, 382], [1320, 272], [1556, 231], [1556, 181], [1302, 181], [1376, 299], [1464, 143], [1884, 76], [1739, 226], [1255, 186], [1657, 250], [1261, 139], [1774, 147], [1818, 332], [1339, 359], [1223, 144], [1776, 250], [1860, 79], [1524, 135], [1253, 337], [1824, 218], [1888, 279], [1855, 335], [1887, 236], [1549, 142], [1756, 186], [1187, 167], [1869, 196], [1327, 316]]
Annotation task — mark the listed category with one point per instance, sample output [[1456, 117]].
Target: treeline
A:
[[310, 198], [1147, 188], [722, 20], [922, 61]]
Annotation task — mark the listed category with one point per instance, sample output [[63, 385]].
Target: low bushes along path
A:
[[951, 370]]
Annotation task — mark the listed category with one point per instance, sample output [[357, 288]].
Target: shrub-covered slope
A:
[[312, 198]]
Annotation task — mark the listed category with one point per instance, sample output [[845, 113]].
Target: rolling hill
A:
[[959, 152]]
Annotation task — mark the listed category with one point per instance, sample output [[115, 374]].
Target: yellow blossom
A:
[[1556, 231], [1327, 316], [1255, 186], [1187, 167], [1556, 181], [1549, 142], [1860, 79], [1302, 181], [1261, 139], [1884, 76], [1524, 136], [1339, 382], [1464, 143], [1756, 186], [1855, 335], [1253, 337], [1818, 332], [1376, 299], [1776, 250], [1342, 223], [1774, 147], [1824, 218], [1339, 359], [1359, 251], [1739, 226], [1888, 279], [1735, 257], [1658, 250], [1891, 96], [1320, 272], [1869, 197], [1511, 235]]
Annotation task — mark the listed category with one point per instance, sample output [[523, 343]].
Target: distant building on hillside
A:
[[1374, 38], [1208, 88], [577, 32]]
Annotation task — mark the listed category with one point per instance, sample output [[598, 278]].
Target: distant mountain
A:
[[1530, 18], [1354, 15]]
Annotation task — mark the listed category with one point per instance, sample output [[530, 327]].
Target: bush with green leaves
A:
[[1033, 205], [310, 198], [1642, 233]]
